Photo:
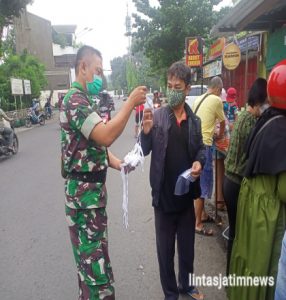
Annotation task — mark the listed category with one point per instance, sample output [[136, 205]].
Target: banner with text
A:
[[194, 52], [27, 87], [216, 48], [213, 69], [16, 86]]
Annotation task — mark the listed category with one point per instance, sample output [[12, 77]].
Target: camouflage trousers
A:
[[88, 232]]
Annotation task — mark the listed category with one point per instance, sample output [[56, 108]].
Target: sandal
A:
[[196, 294], [209, 219], [221, 205], [204, 231], [222, 208], [218, 220]]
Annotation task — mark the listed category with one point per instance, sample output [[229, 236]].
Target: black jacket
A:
[[157, 141]]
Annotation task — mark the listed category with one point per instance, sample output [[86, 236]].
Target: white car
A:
[[196, 90]]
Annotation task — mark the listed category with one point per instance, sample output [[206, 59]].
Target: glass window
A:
[[195, 91]]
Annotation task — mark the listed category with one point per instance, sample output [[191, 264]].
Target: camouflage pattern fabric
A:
[[85, 194], [85, 201], [88, 232], [80, 154]]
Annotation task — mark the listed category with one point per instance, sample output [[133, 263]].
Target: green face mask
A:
[[94, 87], [175, 97]]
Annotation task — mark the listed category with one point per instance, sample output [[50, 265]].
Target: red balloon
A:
[[276, 86]]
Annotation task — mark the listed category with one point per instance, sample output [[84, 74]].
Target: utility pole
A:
[[129, 67], [128, 30]]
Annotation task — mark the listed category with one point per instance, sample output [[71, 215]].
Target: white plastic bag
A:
[[133, 159], [183, 183]]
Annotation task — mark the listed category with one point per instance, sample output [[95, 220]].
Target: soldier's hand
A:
[[138, 96], [128, 169], [147, 120]]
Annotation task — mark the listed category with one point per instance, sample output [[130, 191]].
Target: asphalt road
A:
[[36, 261]]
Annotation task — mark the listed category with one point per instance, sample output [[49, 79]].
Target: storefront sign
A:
[[194, 52], [252, 43], [216, 49], [213, 69], [231, 56]]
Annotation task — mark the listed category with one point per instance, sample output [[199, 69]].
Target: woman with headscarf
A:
[[261, 211], [235, 161]]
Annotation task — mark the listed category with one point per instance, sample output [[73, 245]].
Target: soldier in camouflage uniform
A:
[[85, 159]]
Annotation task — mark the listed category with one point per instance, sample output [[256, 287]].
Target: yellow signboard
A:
[[231, 56], [216, 48]]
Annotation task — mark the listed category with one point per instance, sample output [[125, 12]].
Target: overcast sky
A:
[[105, 17]]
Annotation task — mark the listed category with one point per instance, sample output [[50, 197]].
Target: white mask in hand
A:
[[131, 161]]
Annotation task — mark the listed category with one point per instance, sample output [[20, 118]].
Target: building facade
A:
[[261, 48], [35, 35]]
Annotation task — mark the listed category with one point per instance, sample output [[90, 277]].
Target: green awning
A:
[[276, 48]]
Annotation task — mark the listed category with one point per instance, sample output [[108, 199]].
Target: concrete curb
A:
[[54, 119], [23, 128]]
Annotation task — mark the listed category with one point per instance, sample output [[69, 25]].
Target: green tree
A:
[[104, 83], [59, 39], [131, 75], [127, 72], [118, 76], [145, 75], [8, 10], [9, 43], [161, 31], [23, 66]]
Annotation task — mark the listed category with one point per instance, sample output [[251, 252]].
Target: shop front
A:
[[242, 77], [260, 51]]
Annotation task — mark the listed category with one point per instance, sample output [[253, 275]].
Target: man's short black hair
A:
[[181, 71], [258, 92], [83, 52]]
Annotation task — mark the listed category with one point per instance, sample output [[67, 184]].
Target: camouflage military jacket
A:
[[79, 153]]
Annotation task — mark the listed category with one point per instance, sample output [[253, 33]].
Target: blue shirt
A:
[[230, 111]]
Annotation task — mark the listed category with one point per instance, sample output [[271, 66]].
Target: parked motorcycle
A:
[[104, 113], [34, 119], [111, 105], [156, 100], [4, 147], [48, 113]]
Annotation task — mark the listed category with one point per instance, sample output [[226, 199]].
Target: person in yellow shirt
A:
[[209, 108]]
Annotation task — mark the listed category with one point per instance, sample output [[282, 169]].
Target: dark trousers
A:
[[169, 226], [230, 195]]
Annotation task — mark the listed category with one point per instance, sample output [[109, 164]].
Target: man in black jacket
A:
[[173, 135]]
